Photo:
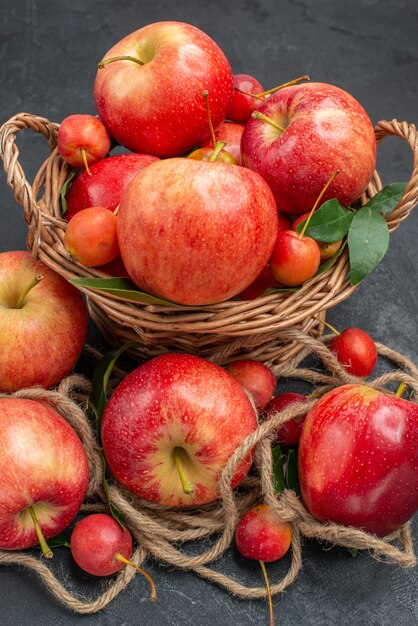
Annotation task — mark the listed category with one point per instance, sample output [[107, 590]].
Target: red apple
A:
[[43, 325], [294, 259], [355, 350], [170, 427], [358, 459], [288, 434], [194, 232], [152, 101], [256, 377], [43, 472], [106, 184], [82, 140], [242, 105], [231, 133], [320, 128]]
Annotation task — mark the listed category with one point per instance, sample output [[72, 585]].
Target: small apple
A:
[[256, 377], [148, 88], [107, 181], [214, 150], [82, 140], [295, 258], [43, 323], [230, 133], [327, 250], [43, 474], [303, 134], [244, 102], [170, 427], [288, 434], [355, 349], [358, 459], [195, 232], [91, 237]]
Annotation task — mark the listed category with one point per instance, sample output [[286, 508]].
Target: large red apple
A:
[[358, 459], [170, 427], [152, 101], [43, 470], [195, 232], [43, 326], [106, 183], [323, 129]]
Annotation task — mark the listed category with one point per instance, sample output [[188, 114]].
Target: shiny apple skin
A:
[[355, 350], [358, 459], [106, 184], [194, 232], [157, 108], [78, 132], [325, 129], [261, 536], [176, 400], [42, 464]]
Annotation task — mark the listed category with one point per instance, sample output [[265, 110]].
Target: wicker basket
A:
[[221, 332]]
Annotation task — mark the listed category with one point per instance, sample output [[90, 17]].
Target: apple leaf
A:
[[278, 475], [368, 241], [121, 287], [386, 200], [64, 190], [292, 475], [329, 223]]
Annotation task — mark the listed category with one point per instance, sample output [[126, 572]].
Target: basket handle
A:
[[409, 199]]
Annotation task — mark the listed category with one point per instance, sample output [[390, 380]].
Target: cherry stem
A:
[[205, 95], [187, 486], [247, 93], [266, 578], [264, 118], [116, 211], [46, 550], [218, 148], [124, 57], [35, 280], [318, 200], [86, 165], [295, 81], [121, 558], [334, 330], [401, 390]]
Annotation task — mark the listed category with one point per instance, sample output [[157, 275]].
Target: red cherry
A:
[[243, 105], [255, 377], [289, 432], [327, 250], [295, 259], [355, 350], [260, 535]]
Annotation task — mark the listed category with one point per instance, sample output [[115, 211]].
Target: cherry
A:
[[261, 536], [354, 349], [263, 281], [101, 547], [82, 140], [256, 377], [216, 151], [288, 433], [327, 250], [91, 237], [244, 99]]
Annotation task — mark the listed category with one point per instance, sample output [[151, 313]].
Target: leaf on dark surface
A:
[[368, 241], [121, 287], [386, 200], [278, 474], [329, 223], [57, 542], [292, 474], [63, 192]]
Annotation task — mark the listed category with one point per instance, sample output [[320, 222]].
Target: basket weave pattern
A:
[[220, 332]]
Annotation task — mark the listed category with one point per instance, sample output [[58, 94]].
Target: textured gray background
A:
[[48, 56]]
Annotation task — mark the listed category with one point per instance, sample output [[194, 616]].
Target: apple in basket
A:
[[43, 474], [43, 323], [148, 88], [170, 427], [303, 134], [196, 232]]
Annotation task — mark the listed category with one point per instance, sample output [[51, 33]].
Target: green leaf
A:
[[121, 287], [386, 200], [353, 551], [57, 542], [329, 262], [64, 190], [368, 241], [329, 223], [292, 475], [278, 475], [98, 396], [118, 515]]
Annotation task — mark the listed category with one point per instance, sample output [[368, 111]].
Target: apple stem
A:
[[35, 280], [124, 57], [86, 165], [264, 118], [116, 211], [401, 390], [334, 330], [295, 81], [247, 93], [46, 550], [318, 200], [218, 148], [266, 578], [187, 486], [205, 95], [121, 558]]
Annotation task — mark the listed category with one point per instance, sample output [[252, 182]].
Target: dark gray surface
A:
[[48, 55]]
